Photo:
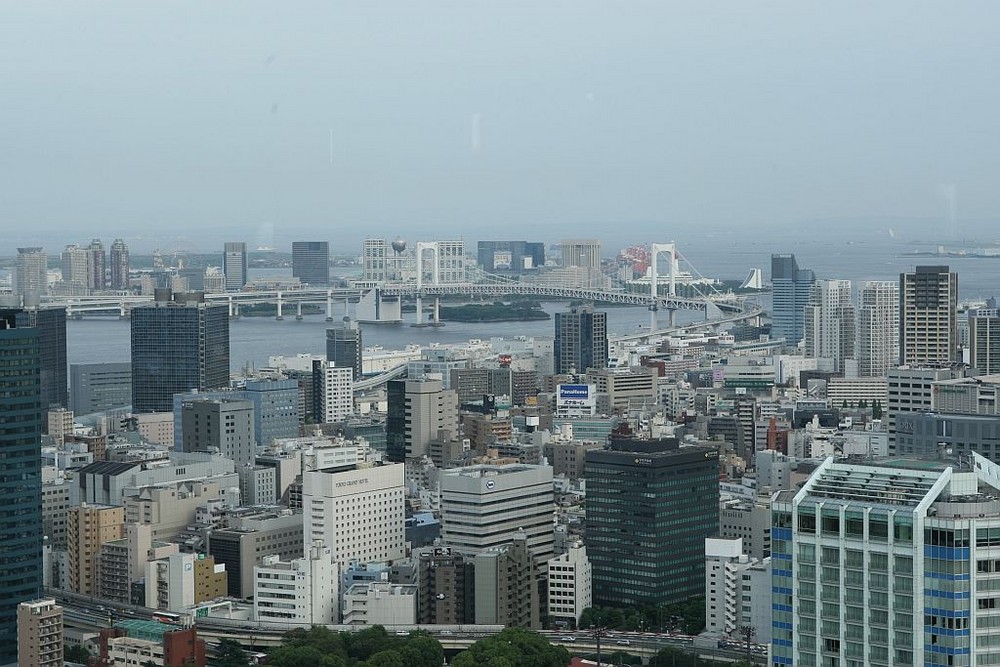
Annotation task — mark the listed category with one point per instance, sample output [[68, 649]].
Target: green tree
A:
[[390, 658], [513, 647], [231, 654], [369, 641], [303, 656], [76, 653], [422, 651], [876, 409]]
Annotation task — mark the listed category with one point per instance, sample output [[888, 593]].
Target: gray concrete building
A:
[[100, 387], [507, 586], [250, 537], [485, 506], [750, 521], [221, 426]]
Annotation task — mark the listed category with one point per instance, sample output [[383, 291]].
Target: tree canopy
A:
[[371, 647], [513, 647]]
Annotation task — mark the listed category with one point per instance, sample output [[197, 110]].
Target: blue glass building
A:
[[790, 287]]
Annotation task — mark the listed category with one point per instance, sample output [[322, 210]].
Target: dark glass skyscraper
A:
[[311, 262], [20, 475], [177, 345], [234, 265], [650, 506], [581, 340], [51, 326], [343, 346], [790, 293]]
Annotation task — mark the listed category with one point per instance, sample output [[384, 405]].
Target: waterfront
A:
[[253, 339], [101, 339]]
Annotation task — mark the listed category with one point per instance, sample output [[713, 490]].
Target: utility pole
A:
[[598, 631], [749, 632]]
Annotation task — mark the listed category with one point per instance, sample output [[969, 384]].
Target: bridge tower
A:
[[655, 250]]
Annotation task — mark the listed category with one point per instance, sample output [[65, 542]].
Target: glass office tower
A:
[[178, 345], [51, 326], [581, 340], [650, 506], [791, 287], [20, 475], [311, 262]]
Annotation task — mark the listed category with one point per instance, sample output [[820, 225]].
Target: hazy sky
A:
[[186, 123]]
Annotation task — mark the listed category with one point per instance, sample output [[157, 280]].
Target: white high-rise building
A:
[[485, 506], [583, 253], [301, 591], [570, 584], [334, 387], [891, 562], [984, 340], [829, 322], [725, 564], [170, 582], [78, 266], [31, 271], [356, 511], [877, 346]]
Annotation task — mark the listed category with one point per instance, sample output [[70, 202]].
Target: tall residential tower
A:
[[877, 346], [928, 321]]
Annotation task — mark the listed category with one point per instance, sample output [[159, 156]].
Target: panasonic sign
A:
[[576, 395]]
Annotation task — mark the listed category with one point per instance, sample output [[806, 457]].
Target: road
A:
[[91, 614]]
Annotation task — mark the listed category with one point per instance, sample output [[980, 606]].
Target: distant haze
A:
[[183, 124]]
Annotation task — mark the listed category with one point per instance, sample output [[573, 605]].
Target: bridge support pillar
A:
[[298, 311], [236, 311], [329, 306], [653, 324], [230, 304], [437, 310], [673, 318], [122, 313], [420, 310], [279, 316]]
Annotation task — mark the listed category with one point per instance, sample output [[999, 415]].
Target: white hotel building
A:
[[357, 511]]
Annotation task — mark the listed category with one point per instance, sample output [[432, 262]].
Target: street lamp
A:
[[749, 632]]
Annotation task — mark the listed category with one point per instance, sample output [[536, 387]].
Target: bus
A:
[[168, 618]]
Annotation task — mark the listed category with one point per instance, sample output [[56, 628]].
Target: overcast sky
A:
[[188, 123]]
